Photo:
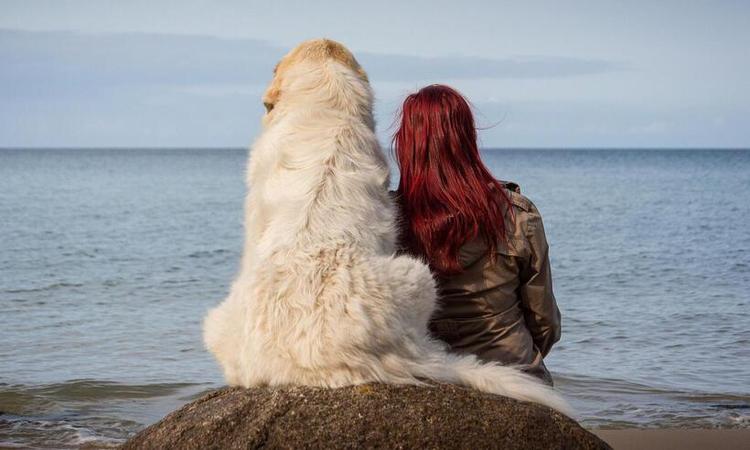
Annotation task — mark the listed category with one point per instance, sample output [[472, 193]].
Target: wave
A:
[[616, 403], [85, 412], [22, 399], [589, 384], [50, 287], [19, 432], [208, 253]]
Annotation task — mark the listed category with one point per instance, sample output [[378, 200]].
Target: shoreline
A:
[[682, 438]]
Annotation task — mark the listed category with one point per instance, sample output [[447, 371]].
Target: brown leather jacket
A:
[[503, 311]]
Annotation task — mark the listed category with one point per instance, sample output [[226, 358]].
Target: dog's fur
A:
[[321, 299]]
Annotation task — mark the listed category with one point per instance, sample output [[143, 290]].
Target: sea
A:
[[109, 259]]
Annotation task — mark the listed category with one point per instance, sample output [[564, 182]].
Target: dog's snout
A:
[[269, 106]]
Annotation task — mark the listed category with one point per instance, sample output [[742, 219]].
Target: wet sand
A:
[[676, 439]]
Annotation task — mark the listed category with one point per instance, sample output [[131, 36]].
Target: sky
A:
[[190, 73]]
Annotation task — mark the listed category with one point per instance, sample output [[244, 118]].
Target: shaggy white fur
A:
[[321, 299]]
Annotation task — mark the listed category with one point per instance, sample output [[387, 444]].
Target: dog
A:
[[322, 299]]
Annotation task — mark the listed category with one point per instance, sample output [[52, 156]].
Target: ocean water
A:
[[110, 258]]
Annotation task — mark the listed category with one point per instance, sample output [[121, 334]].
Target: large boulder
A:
[[366, 416]]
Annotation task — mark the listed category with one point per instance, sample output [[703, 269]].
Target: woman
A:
[[483, 239]]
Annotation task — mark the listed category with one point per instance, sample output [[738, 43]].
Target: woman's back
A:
[[503, 310]]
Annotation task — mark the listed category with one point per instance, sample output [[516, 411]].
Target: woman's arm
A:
[[538, 301]]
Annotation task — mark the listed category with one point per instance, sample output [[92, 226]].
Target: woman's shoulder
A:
[[526, 222], [519, 201]]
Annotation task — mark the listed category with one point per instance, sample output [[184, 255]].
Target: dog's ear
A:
[[339, 52]]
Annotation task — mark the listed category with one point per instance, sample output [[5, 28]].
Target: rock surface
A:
[[367, 416]]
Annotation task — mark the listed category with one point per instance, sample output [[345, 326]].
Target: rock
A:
[[366, 416]]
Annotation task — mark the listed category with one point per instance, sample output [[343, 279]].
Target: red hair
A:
[[448, 197]]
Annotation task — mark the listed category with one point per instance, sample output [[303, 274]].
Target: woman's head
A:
[[448, 196]]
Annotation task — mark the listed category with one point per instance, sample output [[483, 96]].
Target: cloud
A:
[[60, 63], [410, 68], [43, 63]]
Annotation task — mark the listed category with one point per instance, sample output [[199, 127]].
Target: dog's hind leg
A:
[[412, 288], [223, 332]]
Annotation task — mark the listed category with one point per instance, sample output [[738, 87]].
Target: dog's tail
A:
[[489, 377]]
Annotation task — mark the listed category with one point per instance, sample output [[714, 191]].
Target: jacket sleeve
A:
[[540, 307]]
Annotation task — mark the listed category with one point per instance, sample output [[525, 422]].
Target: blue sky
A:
[[540, 74]]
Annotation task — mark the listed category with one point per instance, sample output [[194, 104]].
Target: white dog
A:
[[321, 299]]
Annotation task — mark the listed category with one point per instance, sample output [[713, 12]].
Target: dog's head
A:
[[302, 70]]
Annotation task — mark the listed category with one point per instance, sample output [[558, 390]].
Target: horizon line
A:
[[492, 148]]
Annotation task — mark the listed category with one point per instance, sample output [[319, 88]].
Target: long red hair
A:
[[447, 195]]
